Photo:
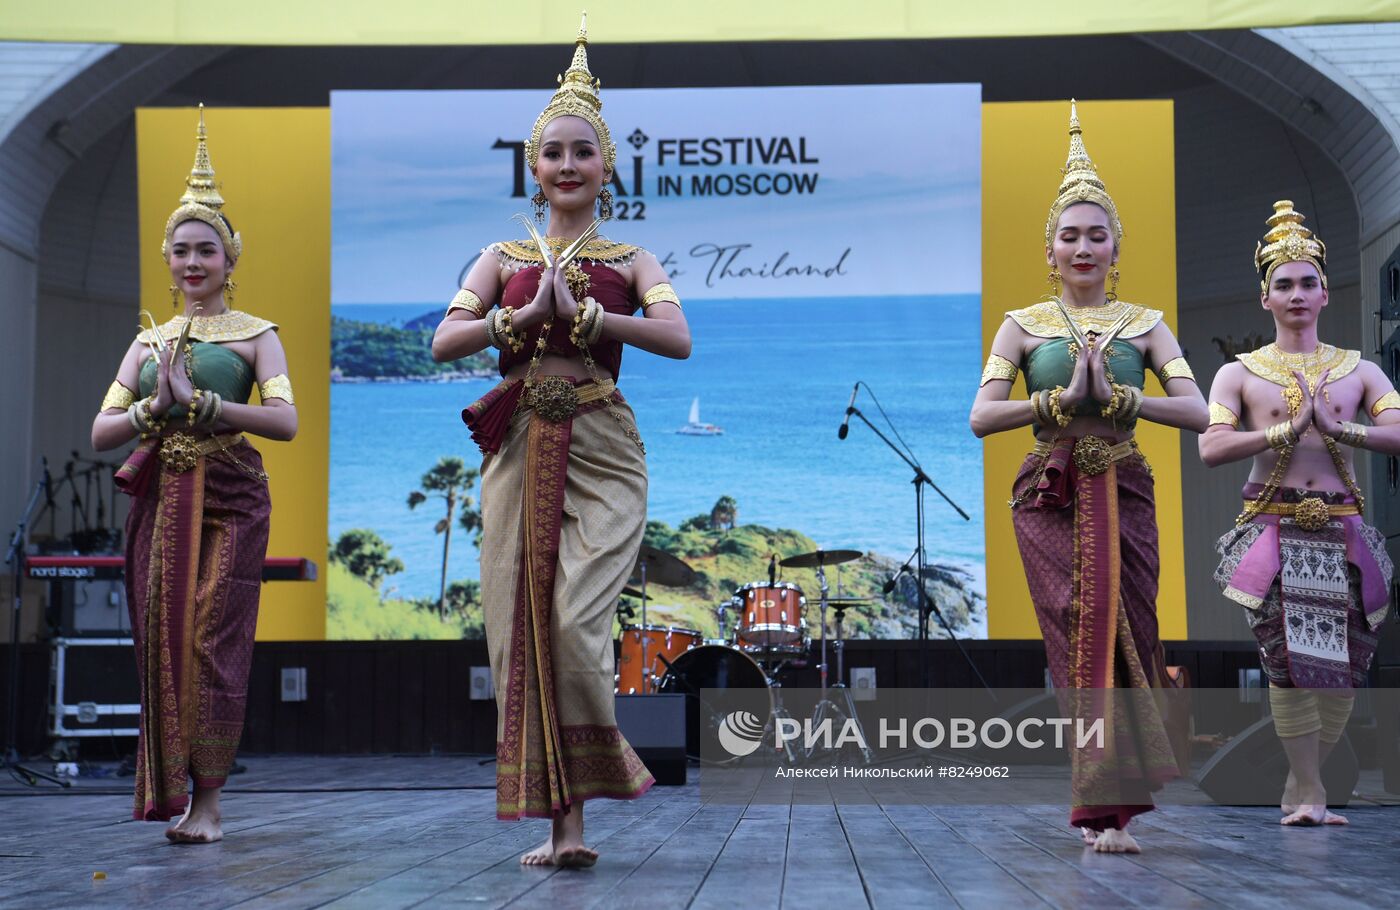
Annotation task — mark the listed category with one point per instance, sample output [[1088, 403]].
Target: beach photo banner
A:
[[817, 236]]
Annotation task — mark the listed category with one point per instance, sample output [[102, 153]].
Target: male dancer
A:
[[1313, 576]]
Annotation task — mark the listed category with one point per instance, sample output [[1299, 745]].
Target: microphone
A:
[[850, 406], [48, 481], [894, 579]]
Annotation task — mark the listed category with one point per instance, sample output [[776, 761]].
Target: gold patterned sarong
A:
[[563, 510]]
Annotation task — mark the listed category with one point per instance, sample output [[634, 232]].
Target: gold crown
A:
[[1081, 183], [577, 96], [201, 200], [1288, 241]]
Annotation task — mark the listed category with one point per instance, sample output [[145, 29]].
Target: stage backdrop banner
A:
[[271, 168], [438, 22], [1024, 148], [817, 236]]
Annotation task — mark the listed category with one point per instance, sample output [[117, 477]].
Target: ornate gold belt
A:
[[1092, 454], [181, 451], [1311, 513], [556, 399]]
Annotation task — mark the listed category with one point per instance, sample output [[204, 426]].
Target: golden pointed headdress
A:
[[201, 200], [1288, 241], [577, 96], [1081, 183]]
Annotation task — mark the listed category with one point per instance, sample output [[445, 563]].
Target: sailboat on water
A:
[[695, 427]]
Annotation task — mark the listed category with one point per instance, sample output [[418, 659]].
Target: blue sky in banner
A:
[[422, 180], [861, 261]]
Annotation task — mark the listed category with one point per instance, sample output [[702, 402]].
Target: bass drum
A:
[[715, 667]]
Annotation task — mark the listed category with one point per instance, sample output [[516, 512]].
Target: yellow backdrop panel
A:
[[640, 21], [273, 168], [1023, 150]]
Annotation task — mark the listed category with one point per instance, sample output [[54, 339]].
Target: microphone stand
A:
[[926, 604], [10, 759]]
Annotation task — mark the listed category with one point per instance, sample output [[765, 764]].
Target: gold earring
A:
[[605, 204], [540, 202], [229, 288], [1113, 277], [174, 297], [1054, 279]]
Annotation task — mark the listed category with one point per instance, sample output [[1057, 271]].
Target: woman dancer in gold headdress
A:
[[564, 482], [1084, 514], [197, 530]]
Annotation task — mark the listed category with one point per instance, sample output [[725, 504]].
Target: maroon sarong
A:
[[1089, 547], [196, 541]]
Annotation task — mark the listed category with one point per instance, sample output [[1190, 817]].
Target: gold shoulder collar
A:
[[521, 254], [234, 325], [1044, 319], [1276, 366]]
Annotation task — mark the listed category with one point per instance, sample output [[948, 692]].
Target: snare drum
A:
[[664, 644], [771, 618]]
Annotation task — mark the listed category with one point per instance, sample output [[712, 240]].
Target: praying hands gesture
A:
[[1090, 379]]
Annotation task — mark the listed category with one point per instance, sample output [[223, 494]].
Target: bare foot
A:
[[1115, 840], [569, 850], [1089, 835], [1289, 805], [1332, 818], [543, 855], [1305, 816], [201, 822]]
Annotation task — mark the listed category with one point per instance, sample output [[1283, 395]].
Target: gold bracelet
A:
[[1352, 434], [1281, 436], [660, 293], [595, 331], [1113, 409], [1060, 417], [469, 301], [1036, 408], [1136, 397], [195, 409], [489, 323], [505, 330]]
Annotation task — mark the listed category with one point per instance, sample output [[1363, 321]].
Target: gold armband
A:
[[660, 293], [469, 301], [998, 367], [118, 396], [278, 386], [1389, 401], [1221, 414], [1176, 368]]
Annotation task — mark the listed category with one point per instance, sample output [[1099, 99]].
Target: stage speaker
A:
[[655, 727], [1390, 287], [1252, 768]]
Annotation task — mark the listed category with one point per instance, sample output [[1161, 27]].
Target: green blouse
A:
[[1050, 365], [216, 369]]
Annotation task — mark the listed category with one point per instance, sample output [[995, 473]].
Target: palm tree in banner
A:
[[725, 513], [449, 479]]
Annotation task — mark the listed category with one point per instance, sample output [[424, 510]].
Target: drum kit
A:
[[767, 637]]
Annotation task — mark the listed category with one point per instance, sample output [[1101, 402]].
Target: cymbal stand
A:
[[646, 664], [826, 706], [779, 711]]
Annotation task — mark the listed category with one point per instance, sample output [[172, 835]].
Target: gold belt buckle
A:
[[554, 398], [1312, 514], [179, 452], [1091, 455]]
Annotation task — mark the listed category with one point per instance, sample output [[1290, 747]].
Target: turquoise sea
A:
[[775, 374]]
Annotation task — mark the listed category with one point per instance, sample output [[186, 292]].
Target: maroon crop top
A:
[[607, 287]]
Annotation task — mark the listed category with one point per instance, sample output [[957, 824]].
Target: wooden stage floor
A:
[[386, 831]]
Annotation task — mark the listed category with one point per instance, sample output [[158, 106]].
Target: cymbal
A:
[[819, 558], [848, 602], [662, 569]]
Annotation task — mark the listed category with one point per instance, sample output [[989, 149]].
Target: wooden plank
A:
[[821, 868], [891, 869]]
